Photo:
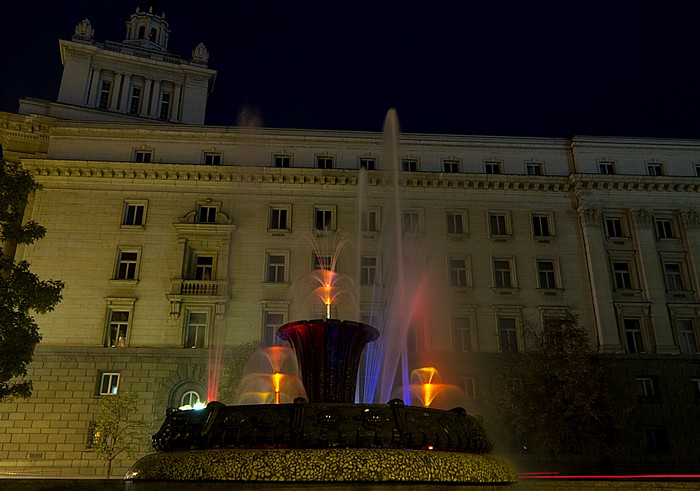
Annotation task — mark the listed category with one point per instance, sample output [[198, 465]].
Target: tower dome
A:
[[147, 29]]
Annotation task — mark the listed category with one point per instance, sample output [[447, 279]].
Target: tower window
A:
[[165, 105], [135, 101], [105, 90]]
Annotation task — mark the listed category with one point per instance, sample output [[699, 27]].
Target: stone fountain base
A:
[[323, 465]]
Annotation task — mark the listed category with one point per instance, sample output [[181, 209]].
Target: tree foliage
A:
[[21, 291], [561, 400], [118, 428]]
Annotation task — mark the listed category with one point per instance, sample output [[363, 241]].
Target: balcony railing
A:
[[199, 287]]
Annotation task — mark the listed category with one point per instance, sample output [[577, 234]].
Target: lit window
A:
[[461, 333], [206, 214], [613, 227], [541, 225], [606, 167], [117, 329], [368, 270], [190, 398], [502, 275], [367, 163], [276, 268], [105, 90], [324, 218], [547, 274], [687, 338], [664, 228], [622, 274], [633, 336], [164, 105], [109, 384], [411, 222], [498, 223], [143, 156], [533, 168], [196, 329], [282, 161], [203, 268], [324, 162], [279, 218], [135, 101], [450, 165], [134, 214], [492, 167], [674, 276], [655, 169], [212, 158], [370, 221], [127, 264], [271, 322], [508, 334], [409, 165], [458, 273], [455, 222]]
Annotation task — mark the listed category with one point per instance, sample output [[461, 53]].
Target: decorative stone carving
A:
[[690, 218], [84, 30], [200, 54], [589, 216], [641, 217]]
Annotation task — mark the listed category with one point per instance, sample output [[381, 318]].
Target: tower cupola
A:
[[147, 29]]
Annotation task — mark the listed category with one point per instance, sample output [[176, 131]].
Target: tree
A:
[[21, 291], [561, 401], [118, 429]]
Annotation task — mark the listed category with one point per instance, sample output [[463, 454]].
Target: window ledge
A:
[[132, 227], [457, 237], [370, 234], [550, 291], [680, 293], [545, 239], [279, 232], [123, 283], [505, 291], [501, 238], [276, 283]]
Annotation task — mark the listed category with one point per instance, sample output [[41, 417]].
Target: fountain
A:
[[326, 436], [271, 377]]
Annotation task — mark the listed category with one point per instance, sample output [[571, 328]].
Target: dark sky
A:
[[449, 66]]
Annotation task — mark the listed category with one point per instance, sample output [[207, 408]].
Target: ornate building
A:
[[178, 243]]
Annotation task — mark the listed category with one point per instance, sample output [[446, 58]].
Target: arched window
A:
[[142, 32], [153, 35], [189, 398]]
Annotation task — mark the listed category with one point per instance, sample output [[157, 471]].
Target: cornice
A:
[[93, 170], [620, 182]]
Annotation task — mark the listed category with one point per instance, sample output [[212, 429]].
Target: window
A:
[[134, 214], [282, 161], [127, 264], [206, 214], [415, 339], [469, 387], [508, 335], [409, 165], [533, 168], [135, 100], [276, 268], [697, 170], [271, 322], [502, 277], [646, 389], [541, 225], [368, 163], [324, 162], [456, 222], [664, 228], [117, 328], [695, 382], [143, 156], [324, 218], [322, 262], [498, 224], [152, 35], [613, 227], [212, 158], [369, 266], [203, 268], [655, 169], [190, 398], [280, 217], [547, 273], [196, 329], [606, 167], [108, 384], [687, 339], [411, 222], [492, 167], [674, 276], [458, 273], [656, 439], [105, 90], [461, 333], [369, 221], [164, 105], [450, 165], [622, 275], [633, 336]]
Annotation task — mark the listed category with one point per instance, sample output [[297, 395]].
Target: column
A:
[[155, 99], [652, 282], [116, 91], [126, 85], [690, 232], [146, 97], [174, 116], [92, 97]]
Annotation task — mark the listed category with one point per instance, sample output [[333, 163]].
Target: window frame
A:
[[127, 269], [329, 226], [278, 208], [498, 273], [459, 276], [135, 99], [493, 167], [365, 222], [143, 156], [539, 217], [109, 377], [686, 346], [623, 278], [617, 225], [537, 168], [164, 105], [283, 266], [367, 163], [325, 162], [415, 223], [118, 341], [451, 224], [451, 166], [655, 169], [463, 338], [269, 329], [201, 340], [607, 167], [409, 164], [635, 343], [553, 277], [505, 231], [665, 228], [647, 388], [104, 96], [513, 334], [282, 160], [134, 204], [214, 158], [370, 273]]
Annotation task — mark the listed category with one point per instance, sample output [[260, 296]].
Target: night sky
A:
[[532, 68]]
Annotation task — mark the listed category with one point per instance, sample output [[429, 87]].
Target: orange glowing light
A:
[[276, 385]]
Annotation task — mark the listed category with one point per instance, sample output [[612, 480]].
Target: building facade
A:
[[178, 243]]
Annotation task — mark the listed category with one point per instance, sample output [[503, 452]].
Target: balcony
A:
[[199, 287]]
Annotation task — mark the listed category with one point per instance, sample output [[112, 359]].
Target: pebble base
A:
[[322, 465]]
